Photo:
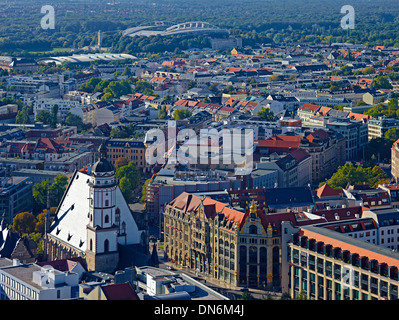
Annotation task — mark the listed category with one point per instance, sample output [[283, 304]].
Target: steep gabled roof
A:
[[327, 191]]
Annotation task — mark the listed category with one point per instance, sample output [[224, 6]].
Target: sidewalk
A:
[[214, 282]]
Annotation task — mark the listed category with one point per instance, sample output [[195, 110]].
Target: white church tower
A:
[[104, 216], [93, 220]]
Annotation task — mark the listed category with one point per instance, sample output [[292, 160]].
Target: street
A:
[[231, 293]]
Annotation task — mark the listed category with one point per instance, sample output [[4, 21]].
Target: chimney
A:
[[16, 262]]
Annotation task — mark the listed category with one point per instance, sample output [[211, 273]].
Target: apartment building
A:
[[31, 282], [395, 161], [327, 265], [132, 150], [378, 127], [388, 226], [47, 104], [355, 133]]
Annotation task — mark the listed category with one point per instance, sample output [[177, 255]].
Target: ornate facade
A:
[[234, 247]]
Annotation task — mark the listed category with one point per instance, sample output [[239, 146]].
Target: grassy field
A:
[[55, 50]]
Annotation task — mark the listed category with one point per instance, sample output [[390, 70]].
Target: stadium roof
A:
[[82, 58]]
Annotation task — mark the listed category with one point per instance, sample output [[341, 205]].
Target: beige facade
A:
[[395, 161], [322, 270], [228, 245]]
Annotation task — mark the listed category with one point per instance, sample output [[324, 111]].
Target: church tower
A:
[[102, 230]]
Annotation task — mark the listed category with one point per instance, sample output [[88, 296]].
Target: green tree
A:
[[357, 175], [392, 135], [368, 70], [90, 85], [162, 112], [74, 121], [301, 296], [181, 114], [107, 97], [144, 191], [57, 189], [246, 295], [129, 178], [24, 222], [126, 72], [40, 191], [43, 116], [377, 111], [143, 87], [381, 82], [121, 162], [54, 116], [23, 116], [266, 114]]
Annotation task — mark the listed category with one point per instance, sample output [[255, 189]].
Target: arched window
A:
[[106, 219], [106, 245], [253, 229], [106, 203], [123, 229]]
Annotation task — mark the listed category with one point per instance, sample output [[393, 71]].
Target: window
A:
[[106, 219], [253, 229], [106, 245], [106, 203]]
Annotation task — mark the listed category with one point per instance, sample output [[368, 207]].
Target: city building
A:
[[47, 104], [132, 150], [159, 284], [230, 246], [328, 265], [388, 226], [293, 169], [165, 186], [395, 161], [363, 195], [18, 64], [93, 219], [15, 196], [355, 133], [32, 282], [378, 126]]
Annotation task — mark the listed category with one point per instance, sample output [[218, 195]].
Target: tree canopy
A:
[[129, 178], [349, 174], [266, 114]]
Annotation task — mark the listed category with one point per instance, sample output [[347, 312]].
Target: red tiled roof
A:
[[309, 107], [189, 203], [342, 213], [63, 264], [120, 291], [319, 133], [300, 154], [280, 141], [327, 191]]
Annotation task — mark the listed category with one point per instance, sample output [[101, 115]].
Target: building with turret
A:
[[233, 247]]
